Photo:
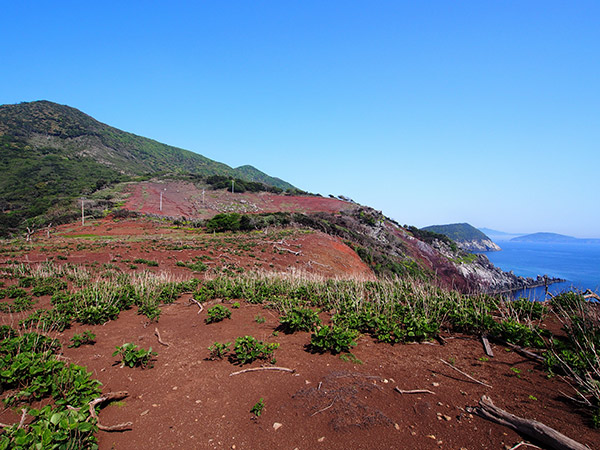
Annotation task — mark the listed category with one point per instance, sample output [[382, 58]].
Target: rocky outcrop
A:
[[483, 276], [479, 245]]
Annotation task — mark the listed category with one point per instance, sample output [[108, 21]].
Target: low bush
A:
[[217, 313], [85, 338], [218, 350], [133, 356], [248, 349], [299, 319], [333, 339]]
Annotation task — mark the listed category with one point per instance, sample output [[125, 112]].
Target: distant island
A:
[[466, 236], [554, 238]]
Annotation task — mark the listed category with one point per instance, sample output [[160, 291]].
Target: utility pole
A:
[[82, 212], [161, 196], [202, 197]]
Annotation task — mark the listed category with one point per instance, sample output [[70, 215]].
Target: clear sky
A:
[[434, 112]]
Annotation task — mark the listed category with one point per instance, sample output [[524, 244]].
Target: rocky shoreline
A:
[[494, 280]]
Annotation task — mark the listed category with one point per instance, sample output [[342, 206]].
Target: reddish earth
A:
[[120, 242], [187, 200], [186, 401]]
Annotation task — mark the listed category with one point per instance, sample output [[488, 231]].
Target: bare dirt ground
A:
[[184, 199], [186, 401]]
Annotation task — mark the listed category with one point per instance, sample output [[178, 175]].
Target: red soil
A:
[[186, 401], [185, 199]]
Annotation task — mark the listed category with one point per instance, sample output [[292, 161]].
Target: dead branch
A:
[[465, 374], [30, 232], [281, 242], [530, 428], [310, 263], [589, 294], [48, 229], [192, 299], [256, 369], [521, 350], [23, 416], [109, 397], [523, 443], [324, 409], [486, 346], [160, 341], [414, 391], [281, 249]]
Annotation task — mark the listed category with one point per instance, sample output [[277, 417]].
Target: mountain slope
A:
[[71, 132], [466, 236], [51, 154]]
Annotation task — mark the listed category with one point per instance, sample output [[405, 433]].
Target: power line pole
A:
[[82, 212], [161, 196]]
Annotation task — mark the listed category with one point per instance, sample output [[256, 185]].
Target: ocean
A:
[[578, 263]]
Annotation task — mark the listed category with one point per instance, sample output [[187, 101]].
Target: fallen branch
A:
[[111, 396], [281, 249], [160, 341], [530, 428], [414, 391], [192, 299], [256, 369], [23, 416], [589, 294], [310, 263], [523, 443], [465, 374], [486, 346], [521, 350], [324, 409]]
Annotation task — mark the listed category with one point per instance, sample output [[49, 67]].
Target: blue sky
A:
[[433, 112]]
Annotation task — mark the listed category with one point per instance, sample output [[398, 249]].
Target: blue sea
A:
[[578, 263]]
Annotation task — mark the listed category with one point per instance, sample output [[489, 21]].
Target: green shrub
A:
[[217, 313], [85, 338], [333, 339], [133, 356], [248, 349], [224, 222], [519, 334], [299, 319], [149, 263], [218, 350], [47, 320], [527, 310], [257, 409]]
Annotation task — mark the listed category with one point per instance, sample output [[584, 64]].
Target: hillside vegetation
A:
[[51, 154], [459, 232]]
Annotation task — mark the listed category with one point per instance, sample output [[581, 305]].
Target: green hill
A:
[[51, 154], [458, 232], [467, 236]]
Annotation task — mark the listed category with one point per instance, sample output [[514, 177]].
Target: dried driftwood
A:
[[109, 397], [465, 374], [530, 428], [486, 346], [414, 391], [281, 249], [160, 341], [256, 369], [192, 299]]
